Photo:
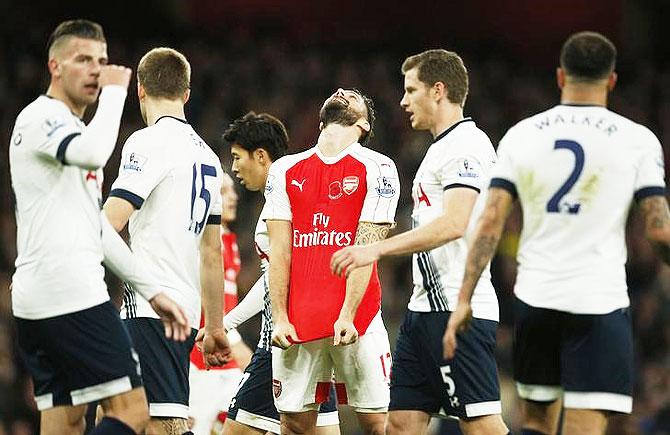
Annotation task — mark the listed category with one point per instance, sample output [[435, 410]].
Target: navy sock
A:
[[112, 426], [530, 432], [187, 433]]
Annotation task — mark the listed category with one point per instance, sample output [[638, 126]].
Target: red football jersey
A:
[[230, 256], [325, 198]]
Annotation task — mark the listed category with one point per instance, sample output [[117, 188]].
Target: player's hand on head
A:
[[283, 335], [459, 321], [173, 317], [344, 332], [214, 346], [347, 259], [114, 75]]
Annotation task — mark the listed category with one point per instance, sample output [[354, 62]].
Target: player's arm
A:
[[215, 346], [357, 282], [487, 235], [124, 264], [280, 231], [91, 149], [657, 224], [458, 203], [252, 304], [118, 211]]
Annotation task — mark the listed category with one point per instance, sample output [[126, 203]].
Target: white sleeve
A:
[[650, 177], [503, 174], [92, 148], [381, 199], [277, 204], [120, 259], [140, 171], [462, 171], [216, 207], [252, 304]]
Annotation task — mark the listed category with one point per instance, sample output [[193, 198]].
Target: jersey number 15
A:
[[205, 171]]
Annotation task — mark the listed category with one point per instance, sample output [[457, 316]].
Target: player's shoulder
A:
[[290, 160], [636, 134], [44, 110], [369, 156], [464, 137]]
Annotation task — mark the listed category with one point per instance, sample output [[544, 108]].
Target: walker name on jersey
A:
[[601, 124], [320, 236]]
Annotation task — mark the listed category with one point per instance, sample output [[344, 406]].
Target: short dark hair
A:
[[164, 73], [444, 66], [254, 131], [588, 56], [79, 28], [370, 108]]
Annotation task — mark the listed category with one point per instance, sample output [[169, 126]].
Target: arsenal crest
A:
[[276, 387], [350, 184]]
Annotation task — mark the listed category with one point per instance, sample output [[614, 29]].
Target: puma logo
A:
[[299, 185]]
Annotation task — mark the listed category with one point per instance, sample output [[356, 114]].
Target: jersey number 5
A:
[[205, 171], [554, 205]]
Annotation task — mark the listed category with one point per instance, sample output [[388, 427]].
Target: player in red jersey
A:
[[332, 195], [212, 390]]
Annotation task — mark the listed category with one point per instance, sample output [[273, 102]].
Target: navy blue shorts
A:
[[253, 404], [421, 379], [165, 366], [79, 357], [585, 358]]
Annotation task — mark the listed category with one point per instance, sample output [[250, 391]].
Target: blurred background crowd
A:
[[285, 58]]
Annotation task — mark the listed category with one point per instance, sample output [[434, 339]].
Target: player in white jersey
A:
[[576, 169], [169, 190], [69, 333], [256, 141], [447, 191]]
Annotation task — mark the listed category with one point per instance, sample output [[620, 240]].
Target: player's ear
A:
[[141, 93], [321, 125], [439, 90], [611, 81], [261, 156], [54, 67], [363, 124], [560, 77], [186, 96]]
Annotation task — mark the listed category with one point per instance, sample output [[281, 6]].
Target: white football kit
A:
[[173, 179]]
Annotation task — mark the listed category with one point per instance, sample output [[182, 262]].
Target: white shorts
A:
[[211, 393], [302, 373]]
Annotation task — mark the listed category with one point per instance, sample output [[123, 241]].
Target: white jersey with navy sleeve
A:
[[462, 156], [576, 171], [173, 179], [59, 245]]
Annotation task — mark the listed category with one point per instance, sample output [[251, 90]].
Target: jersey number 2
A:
[[554, 204], [205, 171]]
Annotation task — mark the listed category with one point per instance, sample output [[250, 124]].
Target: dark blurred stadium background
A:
[[286, 57]]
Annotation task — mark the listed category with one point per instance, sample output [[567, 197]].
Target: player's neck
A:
[[445, 118], [156, 109], [334, 138], [57, 93], [584, 94]]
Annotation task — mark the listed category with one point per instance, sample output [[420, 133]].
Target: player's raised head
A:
[[256, 140], [164, 73], [438, 65], [588, 57], [349, 107], [258, 131], [67, 30]]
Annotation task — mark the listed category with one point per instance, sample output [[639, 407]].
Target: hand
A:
[[214, 347], [172, 316], [114, 75], [284, 335], [345, 332], [458, 322], [352, 257]]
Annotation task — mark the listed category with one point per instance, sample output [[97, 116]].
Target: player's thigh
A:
[[372, 423], [537, 352], [584, 422], [165, 367], [63, 420], [407, 422], [297, 373], [130, 407], [333, 429], [298, 422], [541, 416], [231, 427], [362, 370], [483, 425], [79, 357], [166, 426], [597, 371]]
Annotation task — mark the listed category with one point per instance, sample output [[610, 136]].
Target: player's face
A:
[[248, 169], [417, 101], [78, 67], [229, 197], [345, 107]]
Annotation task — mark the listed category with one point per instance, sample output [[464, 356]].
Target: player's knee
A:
[[394, 425], [292, 424], [372, 424]]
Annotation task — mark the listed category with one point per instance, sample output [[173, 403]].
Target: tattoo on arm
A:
[[369, 232], [657, 224], [173, 426]]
